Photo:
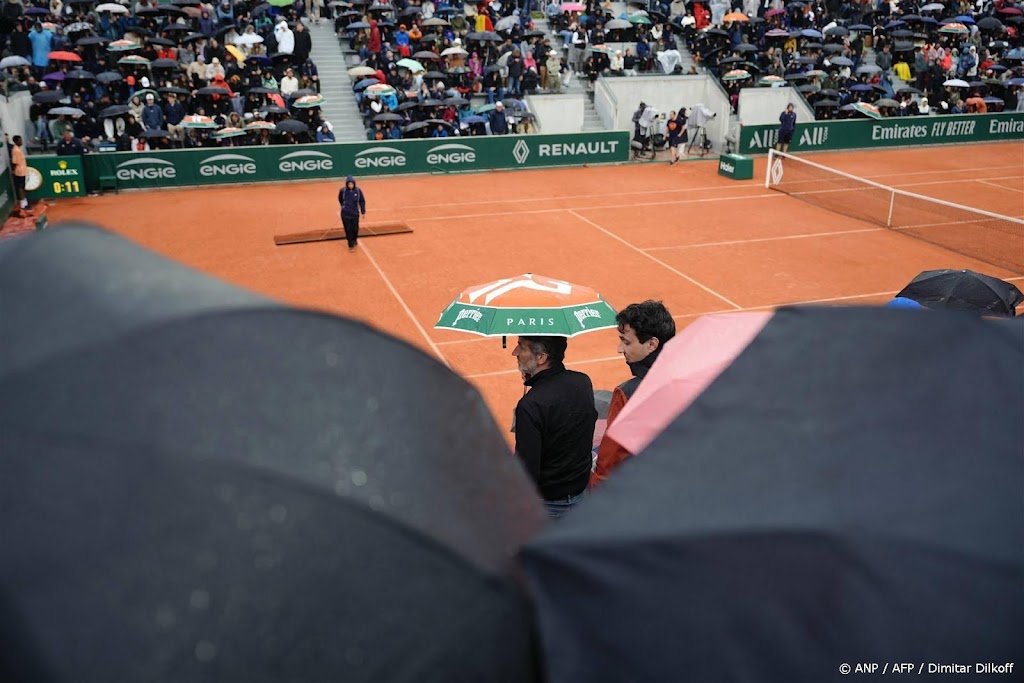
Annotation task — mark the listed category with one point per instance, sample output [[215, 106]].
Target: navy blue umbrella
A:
[[365, 83], [848, 490]]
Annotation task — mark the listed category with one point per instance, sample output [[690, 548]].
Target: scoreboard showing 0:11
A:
[[50, 177]]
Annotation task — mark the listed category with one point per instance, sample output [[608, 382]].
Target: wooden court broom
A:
[[373, 230]]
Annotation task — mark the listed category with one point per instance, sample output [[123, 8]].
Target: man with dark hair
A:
[[353, 205], [554, 423], [644, 329]]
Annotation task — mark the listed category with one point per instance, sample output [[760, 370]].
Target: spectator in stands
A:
[[152, 115], [554, 78], [498, 120], [554, 423], [289, 84], [324, 133], [174, 113], [644, 329], [41, 40], [69, 145], [303, 41], [285, 38]]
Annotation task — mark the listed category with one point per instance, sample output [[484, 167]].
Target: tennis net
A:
[[988, 237]]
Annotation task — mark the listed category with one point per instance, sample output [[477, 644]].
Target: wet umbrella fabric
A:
[[964, 290], [211, 498], [772, 527]]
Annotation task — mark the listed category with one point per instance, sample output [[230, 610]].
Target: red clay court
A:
[[699, 242]]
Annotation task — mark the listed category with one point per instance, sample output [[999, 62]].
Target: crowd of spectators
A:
[[179, 74]]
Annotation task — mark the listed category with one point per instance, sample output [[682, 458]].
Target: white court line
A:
[[604, 195], [1001, 187], [766, 239], [657, 260], [404, 305], [514, 214]]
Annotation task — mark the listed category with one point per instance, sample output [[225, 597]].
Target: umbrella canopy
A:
[[335, 518], [771, 80], [358, 71], [687, 365], [153, 134], [841, 61], [112, 8], [956, 83], [955, 27], [63, 56], [13, 61], [770, 529], [454, 52], [528, 304], [291, 126], [260, 125], [736, 75], [308, 101], [229, 133], [123, 46], [736, 16], [640, 19], [869, 110], [964, 290], [572, 7], [990, 24], [137, 60], [412, 65], [197, 121], [886, 102], [617, 25], [113, 110], [48, 96], [65, 111]]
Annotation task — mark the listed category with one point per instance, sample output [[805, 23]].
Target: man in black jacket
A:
[[353, 204], [554, 423]]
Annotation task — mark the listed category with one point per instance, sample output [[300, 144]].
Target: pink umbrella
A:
[[774, 12], [691, 361], [572, 7]]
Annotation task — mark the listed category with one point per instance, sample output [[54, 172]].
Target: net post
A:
[[768, 170], [892, 203]]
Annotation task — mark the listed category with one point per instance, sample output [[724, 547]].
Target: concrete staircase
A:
[[591, 121], [335, 84]]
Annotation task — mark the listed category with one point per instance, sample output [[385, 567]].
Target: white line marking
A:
[[766, 239], [1002, 187], [506, 214], [603, 195], [404, 305], [658, 261], [497, 373]]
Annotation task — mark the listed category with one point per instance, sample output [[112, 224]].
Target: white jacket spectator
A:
[[616, 62], [214, 69], [285, 38], [289, 83]]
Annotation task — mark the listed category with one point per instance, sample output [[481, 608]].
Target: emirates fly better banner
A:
[[144, 170], [892, 132]]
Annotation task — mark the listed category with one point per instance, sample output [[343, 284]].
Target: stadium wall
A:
[[182, 168], [893, 132], [762, 106], [557, 114]]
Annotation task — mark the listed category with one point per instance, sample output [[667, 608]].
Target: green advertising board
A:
[[147, 170], [50, 177], [893, 132]]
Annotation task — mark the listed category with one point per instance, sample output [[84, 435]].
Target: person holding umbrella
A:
[[554, 422], [787, 125], [353, 204], [644, 329]]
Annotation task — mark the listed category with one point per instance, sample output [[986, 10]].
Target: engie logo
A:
[[146, 168], [452, 153], [227, 165], [380, 157], [306, 161]]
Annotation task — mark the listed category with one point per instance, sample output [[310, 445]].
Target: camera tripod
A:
[[699, 140]]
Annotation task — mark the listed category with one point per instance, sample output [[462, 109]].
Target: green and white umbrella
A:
[[412, 65], [308, 102], [528, 305], [736, 75]]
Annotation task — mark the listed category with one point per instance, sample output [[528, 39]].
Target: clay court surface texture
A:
[[699, 242]]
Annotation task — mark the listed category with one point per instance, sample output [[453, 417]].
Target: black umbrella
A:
[[79, 75], [964, 290], [164, 64], [109, 77], [113, 110], [329, 517], [176, 91], [175, 28], [92, 40], [434, 76], [385, 117], [152, 134], [48, 96], [431, 102], [848, 490], [212, 90], [827, 104], [455, 102], [166, 42], [408, 104], [484, 37], [426, 54], [273, 109], [260, 90], [990, 24], [192, 37], [291, 126]]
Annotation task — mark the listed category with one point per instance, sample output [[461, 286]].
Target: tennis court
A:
[[699, 242]]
